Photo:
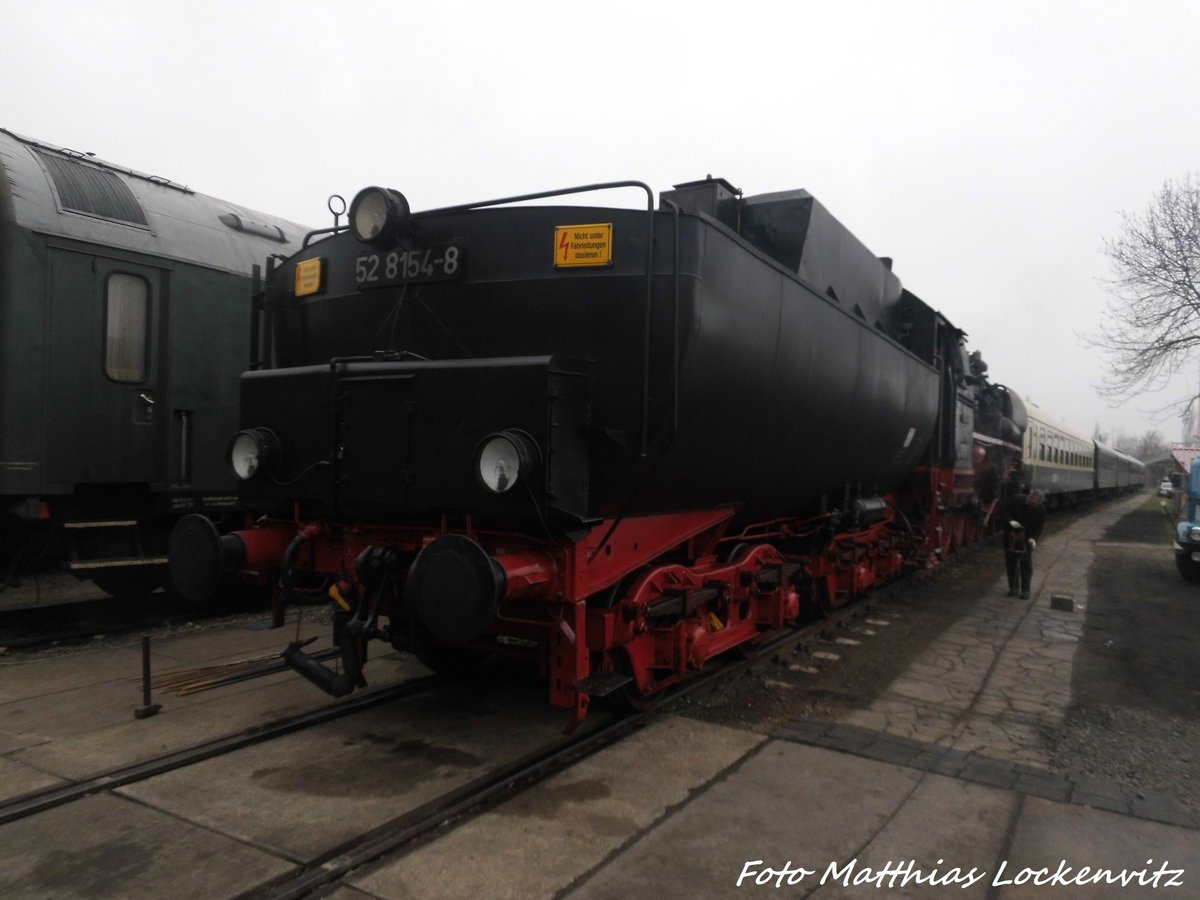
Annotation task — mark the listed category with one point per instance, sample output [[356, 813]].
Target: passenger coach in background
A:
[[616, 442], [1069, 467], [124, 322]]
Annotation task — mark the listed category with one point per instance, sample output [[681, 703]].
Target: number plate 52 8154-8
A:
[[441, 262]]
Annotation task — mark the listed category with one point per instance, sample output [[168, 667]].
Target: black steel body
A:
[[724, 375], [617, 442]]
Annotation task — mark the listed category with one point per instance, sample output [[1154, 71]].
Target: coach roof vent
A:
[[249, 226], [93, 191]]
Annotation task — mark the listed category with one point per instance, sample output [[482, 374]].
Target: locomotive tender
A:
[[620, 442], [124, 322]]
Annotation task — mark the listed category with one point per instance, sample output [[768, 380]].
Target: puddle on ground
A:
[[390, 767]]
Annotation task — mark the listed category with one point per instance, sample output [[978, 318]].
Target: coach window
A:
[[127, 320]]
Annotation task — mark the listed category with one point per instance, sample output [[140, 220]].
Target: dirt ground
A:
[[1135, 711]]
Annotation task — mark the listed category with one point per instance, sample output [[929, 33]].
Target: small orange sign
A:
[[583, 245], [308, 277]]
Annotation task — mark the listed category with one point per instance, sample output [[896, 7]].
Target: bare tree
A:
[[1152, 326], [1146, 446], [1153, 444]]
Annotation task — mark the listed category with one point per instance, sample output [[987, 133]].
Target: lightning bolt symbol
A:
[[562, 245]]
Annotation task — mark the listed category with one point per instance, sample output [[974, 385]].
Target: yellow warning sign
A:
[[583, 245], [308, 277]]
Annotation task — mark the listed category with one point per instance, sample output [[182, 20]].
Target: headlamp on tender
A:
[[379, 216], [506, 460], [254, 453]]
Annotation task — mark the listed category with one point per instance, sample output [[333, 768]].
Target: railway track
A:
[[504, 779], [316, 869], [398, 836], [31, 804]]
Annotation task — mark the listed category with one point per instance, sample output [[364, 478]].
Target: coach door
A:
[[105, 409]]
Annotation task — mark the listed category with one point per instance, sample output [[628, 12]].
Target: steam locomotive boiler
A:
[[620, 442]]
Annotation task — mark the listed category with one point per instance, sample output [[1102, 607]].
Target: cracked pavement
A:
[[999, 678]]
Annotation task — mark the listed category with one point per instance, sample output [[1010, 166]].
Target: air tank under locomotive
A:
[[488, 399]]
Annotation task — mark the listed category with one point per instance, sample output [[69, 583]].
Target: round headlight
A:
[[378, 215], [507, 459], [1194, 533], [253, 453]]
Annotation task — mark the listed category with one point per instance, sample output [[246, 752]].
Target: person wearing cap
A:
[[1025, 516]]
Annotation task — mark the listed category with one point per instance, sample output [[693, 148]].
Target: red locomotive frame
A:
[[639, 603]]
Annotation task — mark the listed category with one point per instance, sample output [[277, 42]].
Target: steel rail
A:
[[521, 774], [35, 802], [507, 780]]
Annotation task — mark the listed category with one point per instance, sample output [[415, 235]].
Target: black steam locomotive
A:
[[619, 442], [124, 322]]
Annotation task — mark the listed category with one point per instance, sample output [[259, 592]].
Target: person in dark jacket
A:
[[1025, 516]]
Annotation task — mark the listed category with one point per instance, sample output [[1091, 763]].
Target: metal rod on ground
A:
[[147, 708], [201, 679]]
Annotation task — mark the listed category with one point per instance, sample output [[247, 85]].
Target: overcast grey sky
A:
[[987, 148]]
